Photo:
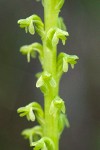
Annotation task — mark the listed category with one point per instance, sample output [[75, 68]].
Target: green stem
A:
[[51, 123], [50, 14]]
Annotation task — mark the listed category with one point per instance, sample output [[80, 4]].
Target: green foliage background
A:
[[80, 87]]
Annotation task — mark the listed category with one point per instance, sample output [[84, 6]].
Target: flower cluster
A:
[[48, 80]]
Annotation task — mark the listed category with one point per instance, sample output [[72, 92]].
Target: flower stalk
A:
[[52, 119]]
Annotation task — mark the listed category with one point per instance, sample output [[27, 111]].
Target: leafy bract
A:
[[53, 36], [62, 122], [63, 61], [59, 4], [44, 143], [31, 24], [41, 1], [57, 106], [30, 51], [32, 132], [44, 81], [61, 24], [30, 111]]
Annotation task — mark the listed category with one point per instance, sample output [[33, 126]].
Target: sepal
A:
[[31, 24], [30, 111], [37, 75], [57, 106], [44, 143], [30, 51]]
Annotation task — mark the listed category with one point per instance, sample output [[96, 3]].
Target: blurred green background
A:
[[80, 88]]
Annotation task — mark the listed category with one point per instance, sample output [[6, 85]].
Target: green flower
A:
[[31, 24], [27, 24], [27, 111], [31, 133], [30, 111]]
